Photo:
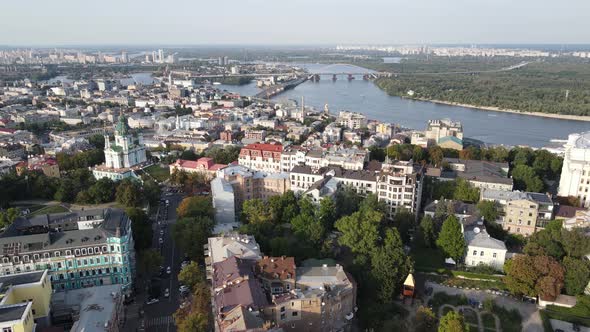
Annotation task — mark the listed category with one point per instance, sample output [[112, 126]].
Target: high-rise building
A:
[[575, 173], [124, 57], [160, 56]]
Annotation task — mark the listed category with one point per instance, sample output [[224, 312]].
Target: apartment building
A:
[[575, 173], [397, 184], [31, 289], [521, 212], [261, 157], [80, 249], [352, 120], [204, 166], [479, 173], [236, 184], [482, 249]]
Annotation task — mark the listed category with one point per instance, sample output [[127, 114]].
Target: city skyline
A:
[[301, 22]]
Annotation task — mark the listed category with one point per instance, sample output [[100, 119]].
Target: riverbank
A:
[[497, 109]]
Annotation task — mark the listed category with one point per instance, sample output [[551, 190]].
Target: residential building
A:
[[29, 288], [222, 247], [352, 120], [122, 156], [255, 135], [484, 249], [262, 157], [203, 165], [479, 173], [575, 172], [463, 211], [521, 212], [235, 184], [332, 133], [445, 132], [80, 249], [276, 273], [95, 309], [44, 164], [17, 318], [398, 184]]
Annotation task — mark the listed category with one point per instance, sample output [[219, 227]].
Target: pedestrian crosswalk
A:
[[157, 321]]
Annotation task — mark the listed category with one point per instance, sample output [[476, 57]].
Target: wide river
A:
[[365, 97]]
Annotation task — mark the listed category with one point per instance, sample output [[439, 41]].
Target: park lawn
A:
[[488, 321], [579, 314], [49, 210], [441, 298], [157, 172], [474, 284], [428, 259]]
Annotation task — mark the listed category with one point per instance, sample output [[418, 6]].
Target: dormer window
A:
[[57, 254]]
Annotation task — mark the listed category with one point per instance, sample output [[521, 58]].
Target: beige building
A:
[[521, 216]]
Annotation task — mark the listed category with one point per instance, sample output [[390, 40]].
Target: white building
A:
[[575, 173], [484, 249], [121, 156], [352, 120]]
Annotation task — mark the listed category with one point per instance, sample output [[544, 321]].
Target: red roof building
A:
[[202, 165], [262, 157]]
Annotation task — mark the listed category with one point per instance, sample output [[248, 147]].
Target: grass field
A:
[[157, 172], [48, 210]]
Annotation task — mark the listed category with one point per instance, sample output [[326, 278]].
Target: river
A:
[[365, 97]]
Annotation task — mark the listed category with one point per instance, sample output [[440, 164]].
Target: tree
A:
[[308, 228], [390, 265], [377, 153], [191, 233], [451, 240], [452, 322], [577, 274], [196, 317], [488, 210], [128, 193], [436, 155], [195, 206], [255, 211], [418, 154], [575, 242], [327, 213], [151, 191], [191, 275], [66, 191], [403, 220], [141, 228], [425, 320], [428, 231], [102, 191], [149, 261], [525, 178], [8, 217], [534, 275], [465, 191], [192, 322], [360, 231], [546, 242], [347, 201]]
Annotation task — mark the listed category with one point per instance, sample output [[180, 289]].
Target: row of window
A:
[[481, 253], [88, 273], [77, 252]]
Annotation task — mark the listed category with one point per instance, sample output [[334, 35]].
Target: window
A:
[[481, 254], [84, 251], [282, 309], [494, 255], [57, 254], [7, 329], [295, 314], [77, 252], [474, 252], [68, 252], [90, 251]]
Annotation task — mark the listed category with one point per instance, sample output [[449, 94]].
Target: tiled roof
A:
[[281, 268]]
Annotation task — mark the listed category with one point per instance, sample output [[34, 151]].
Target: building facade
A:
[[575, 173], [80, 249], [261, 157]]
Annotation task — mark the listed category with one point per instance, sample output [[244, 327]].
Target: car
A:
[[161, 240], [167, 293], [161, 232], [183, 305], [168, 270], [152, 301], [183, 289]]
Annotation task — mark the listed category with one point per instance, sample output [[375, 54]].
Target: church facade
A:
[[123, 155]]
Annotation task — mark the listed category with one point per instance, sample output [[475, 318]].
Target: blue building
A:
[[80, 249]]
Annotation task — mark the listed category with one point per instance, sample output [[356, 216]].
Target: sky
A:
[[293, 22]]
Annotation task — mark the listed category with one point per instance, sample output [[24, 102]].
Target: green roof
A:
[[122, 128], [450, 138]]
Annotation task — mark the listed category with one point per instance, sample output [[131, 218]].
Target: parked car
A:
[[183, 289], [167, 293], [152, 301], [168, 270]]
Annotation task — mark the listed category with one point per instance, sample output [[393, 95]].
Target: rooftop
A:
[[13, 312]]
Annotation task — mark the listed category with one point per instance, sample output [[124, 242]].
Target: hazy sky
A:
[[187, 22]]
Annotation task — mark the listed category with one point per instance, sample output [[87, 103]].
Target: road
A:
[[158, 316]]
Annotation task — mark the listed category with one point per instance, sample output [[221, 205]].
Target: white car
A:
[[168, 270], [167, 292], [152, 301], [183, 289], [161, 240]]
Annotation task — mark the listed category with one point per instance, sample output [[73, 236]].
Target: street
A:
[[158, 316]]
